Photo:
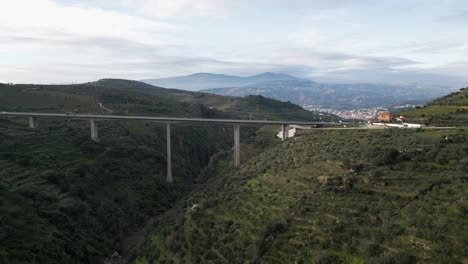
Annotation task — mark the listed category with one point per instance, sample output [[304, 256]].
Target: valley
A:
[[336, 98], [324, 196], [56, 173], [233, 132]]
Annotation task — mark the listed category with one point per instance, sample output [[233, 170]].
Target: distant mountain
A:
[[310, 94], [199, 81]]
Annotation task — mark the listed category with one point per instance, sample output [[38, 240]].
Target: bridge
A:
[[33, 123]]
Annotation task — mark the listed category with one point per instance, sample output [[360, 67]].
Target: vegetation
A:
[[67, 199], [370, 196], [131, 97], [328, 196], [325, 196], [450, 110]]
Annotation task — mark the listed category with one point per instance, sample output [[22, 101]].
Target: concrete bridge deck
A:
[[33, 123], [167, 119]]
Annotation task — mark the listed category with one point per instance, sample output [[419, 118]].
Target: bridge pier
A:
[[169, 161], [236, 145], [285, 132], [94, 130], [33, 122]]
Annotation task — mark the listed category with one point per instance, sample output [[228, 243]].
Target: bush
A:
[[326, 258], [275, 227], [385, 157]]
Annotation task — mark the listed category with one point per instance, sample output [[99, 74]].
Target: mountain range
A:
[[312, 95], [199, 81], [307, 93]]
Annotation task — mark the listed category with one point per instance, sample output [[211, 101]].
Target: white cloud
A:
[[44, 26], [35, 17], [73, 40], [178, 8]]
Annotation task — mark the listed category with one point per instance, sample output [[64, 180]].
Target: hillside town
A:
[[363, 113]]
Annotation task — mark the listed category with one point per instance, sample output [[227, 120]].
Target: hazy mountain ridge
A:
[[199, 81], [307, 93], [335, 95]]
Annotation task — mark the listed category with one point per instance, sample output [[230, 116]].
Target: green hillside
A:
[[67, 199], [450, 110], [326, 196], [132, 97]]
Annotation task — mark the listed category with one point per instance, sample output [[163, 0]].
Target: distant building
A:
[[401, 119], [385, 117]]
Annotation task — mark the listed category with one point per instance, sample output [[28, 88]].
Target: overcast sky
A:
[[63, 41]]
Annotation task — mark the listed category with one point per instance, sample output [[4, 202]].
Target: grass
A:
[[451, 110], [58, 189], [352, 196], [278, 209]]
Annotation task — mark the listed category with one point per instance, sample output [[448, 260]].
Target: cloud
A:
[[178, 8], [45, 22], [155, 66], [316, 50], [77, 41], [36, 17], [435, 46], [459, 17]]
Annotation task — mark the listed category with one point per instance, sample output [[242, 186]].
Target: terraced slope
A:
[[394, 196], [450, 110], [66, 199]]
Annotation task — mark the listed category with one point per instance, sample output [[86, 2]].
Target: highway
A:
[[168, 119]]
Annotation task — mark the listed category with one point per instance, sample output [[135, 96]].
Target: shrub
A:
[[385, 157], [326, 258]]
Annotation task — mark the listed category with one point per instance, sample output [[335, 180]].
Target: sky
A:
[[72, 41]]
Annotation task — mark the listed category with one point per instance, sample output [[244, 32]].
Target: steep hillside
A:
[[200, 81], [450, 110], [67, 199], [132, 97], [393, 196], [336, 96]]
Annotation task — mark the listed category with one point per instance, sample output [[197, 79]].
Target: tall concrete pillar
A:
[[94, 130], [236, 145], [285, 132], [33, 122], [169, 162]]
